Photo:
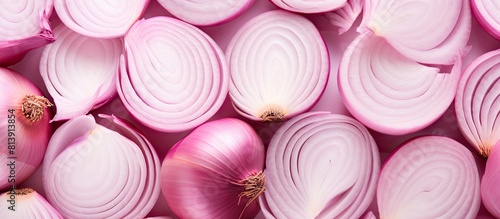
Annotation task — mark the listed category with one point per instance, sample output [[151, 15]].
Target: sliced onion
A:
[[90, 171], [389, 92], [32, 17], [489, 184], [279, 66], [98, 18], [308, 6], [427, 31], [26, 203], [369, 215], [24, 128], [205, 13], [173, 77], [344, 17], [429, 177], [477, 103], [215, 172], [80, 72], [487, 14], [320, 165]]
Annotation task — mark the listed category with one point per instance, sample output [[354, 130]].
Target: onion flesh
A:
[[307, 6], [320, 165], [26, 203], [344, 17], [486, 13], [279, 66], [489, 183], [429, 177]]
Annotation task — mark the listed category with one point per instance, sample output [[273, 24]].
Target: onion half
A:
[[486, 13], [173, 77], [24, 127], [26, 203], [389, 92], [320, 165], [490, 193], [307, 6], [206, 13], [344, 17], [279, 66], [91, 171], [101, 19], [80, 72], [33, 17], [429, 177], [477, 103], [215, 172]]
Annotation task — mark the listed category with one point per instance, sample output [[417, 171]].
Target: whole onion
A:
[[279, 66], [24, 128], [490, 193], [91, 171], [477, 104], [320, 165], [26, 203], [486, 12], [173, 77], [429, 177], [215, 172]]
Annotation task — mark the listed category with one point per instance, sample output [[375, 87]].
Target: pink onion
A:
[[429, 177], [308, 6], [320, 165], [91, 171], [215, 172], [97, 18], [489, 184], [205, 13], [173, 77], [279, 66], [26, 203], [390, 93], [477, 104], [24, 26], [79, 72], [427, 31], [486, 13], [344, 17], [24, 128]]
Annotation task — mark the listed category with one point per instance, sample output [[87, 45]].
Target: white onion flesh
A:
[[429, 177], [390, 93], [98, 18], [90, 171], [205, 13], [173, 77], [344, 17], [26, 203], [308, 6], [80, 72], [320, 165], [487, 14], [279, 66]]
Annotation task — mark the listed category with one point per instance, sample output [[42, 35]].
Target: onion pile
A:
[[489, 184], [279, 66], [429, 177], [344, 17], [395, 76], [97, 18], [308, 6], [173, 77], [33, 17], [26, 203], [205, 13], [477, 104], [24, 128], [90, 171], [320, 165], [79, 72], [486, 12], [215, 172]]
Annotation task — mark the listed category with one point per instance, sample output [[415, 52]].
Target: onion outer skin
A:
[[28, 204], [77, 141], [199, 174], [204, 13], [431, 187], [159, 98], [296, 189], [262, 88], [490, 181], [485, 19], [309, 7], [31, 138]]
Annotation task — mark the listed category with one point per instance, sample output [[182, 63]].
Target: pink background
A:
[[330, 101]]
